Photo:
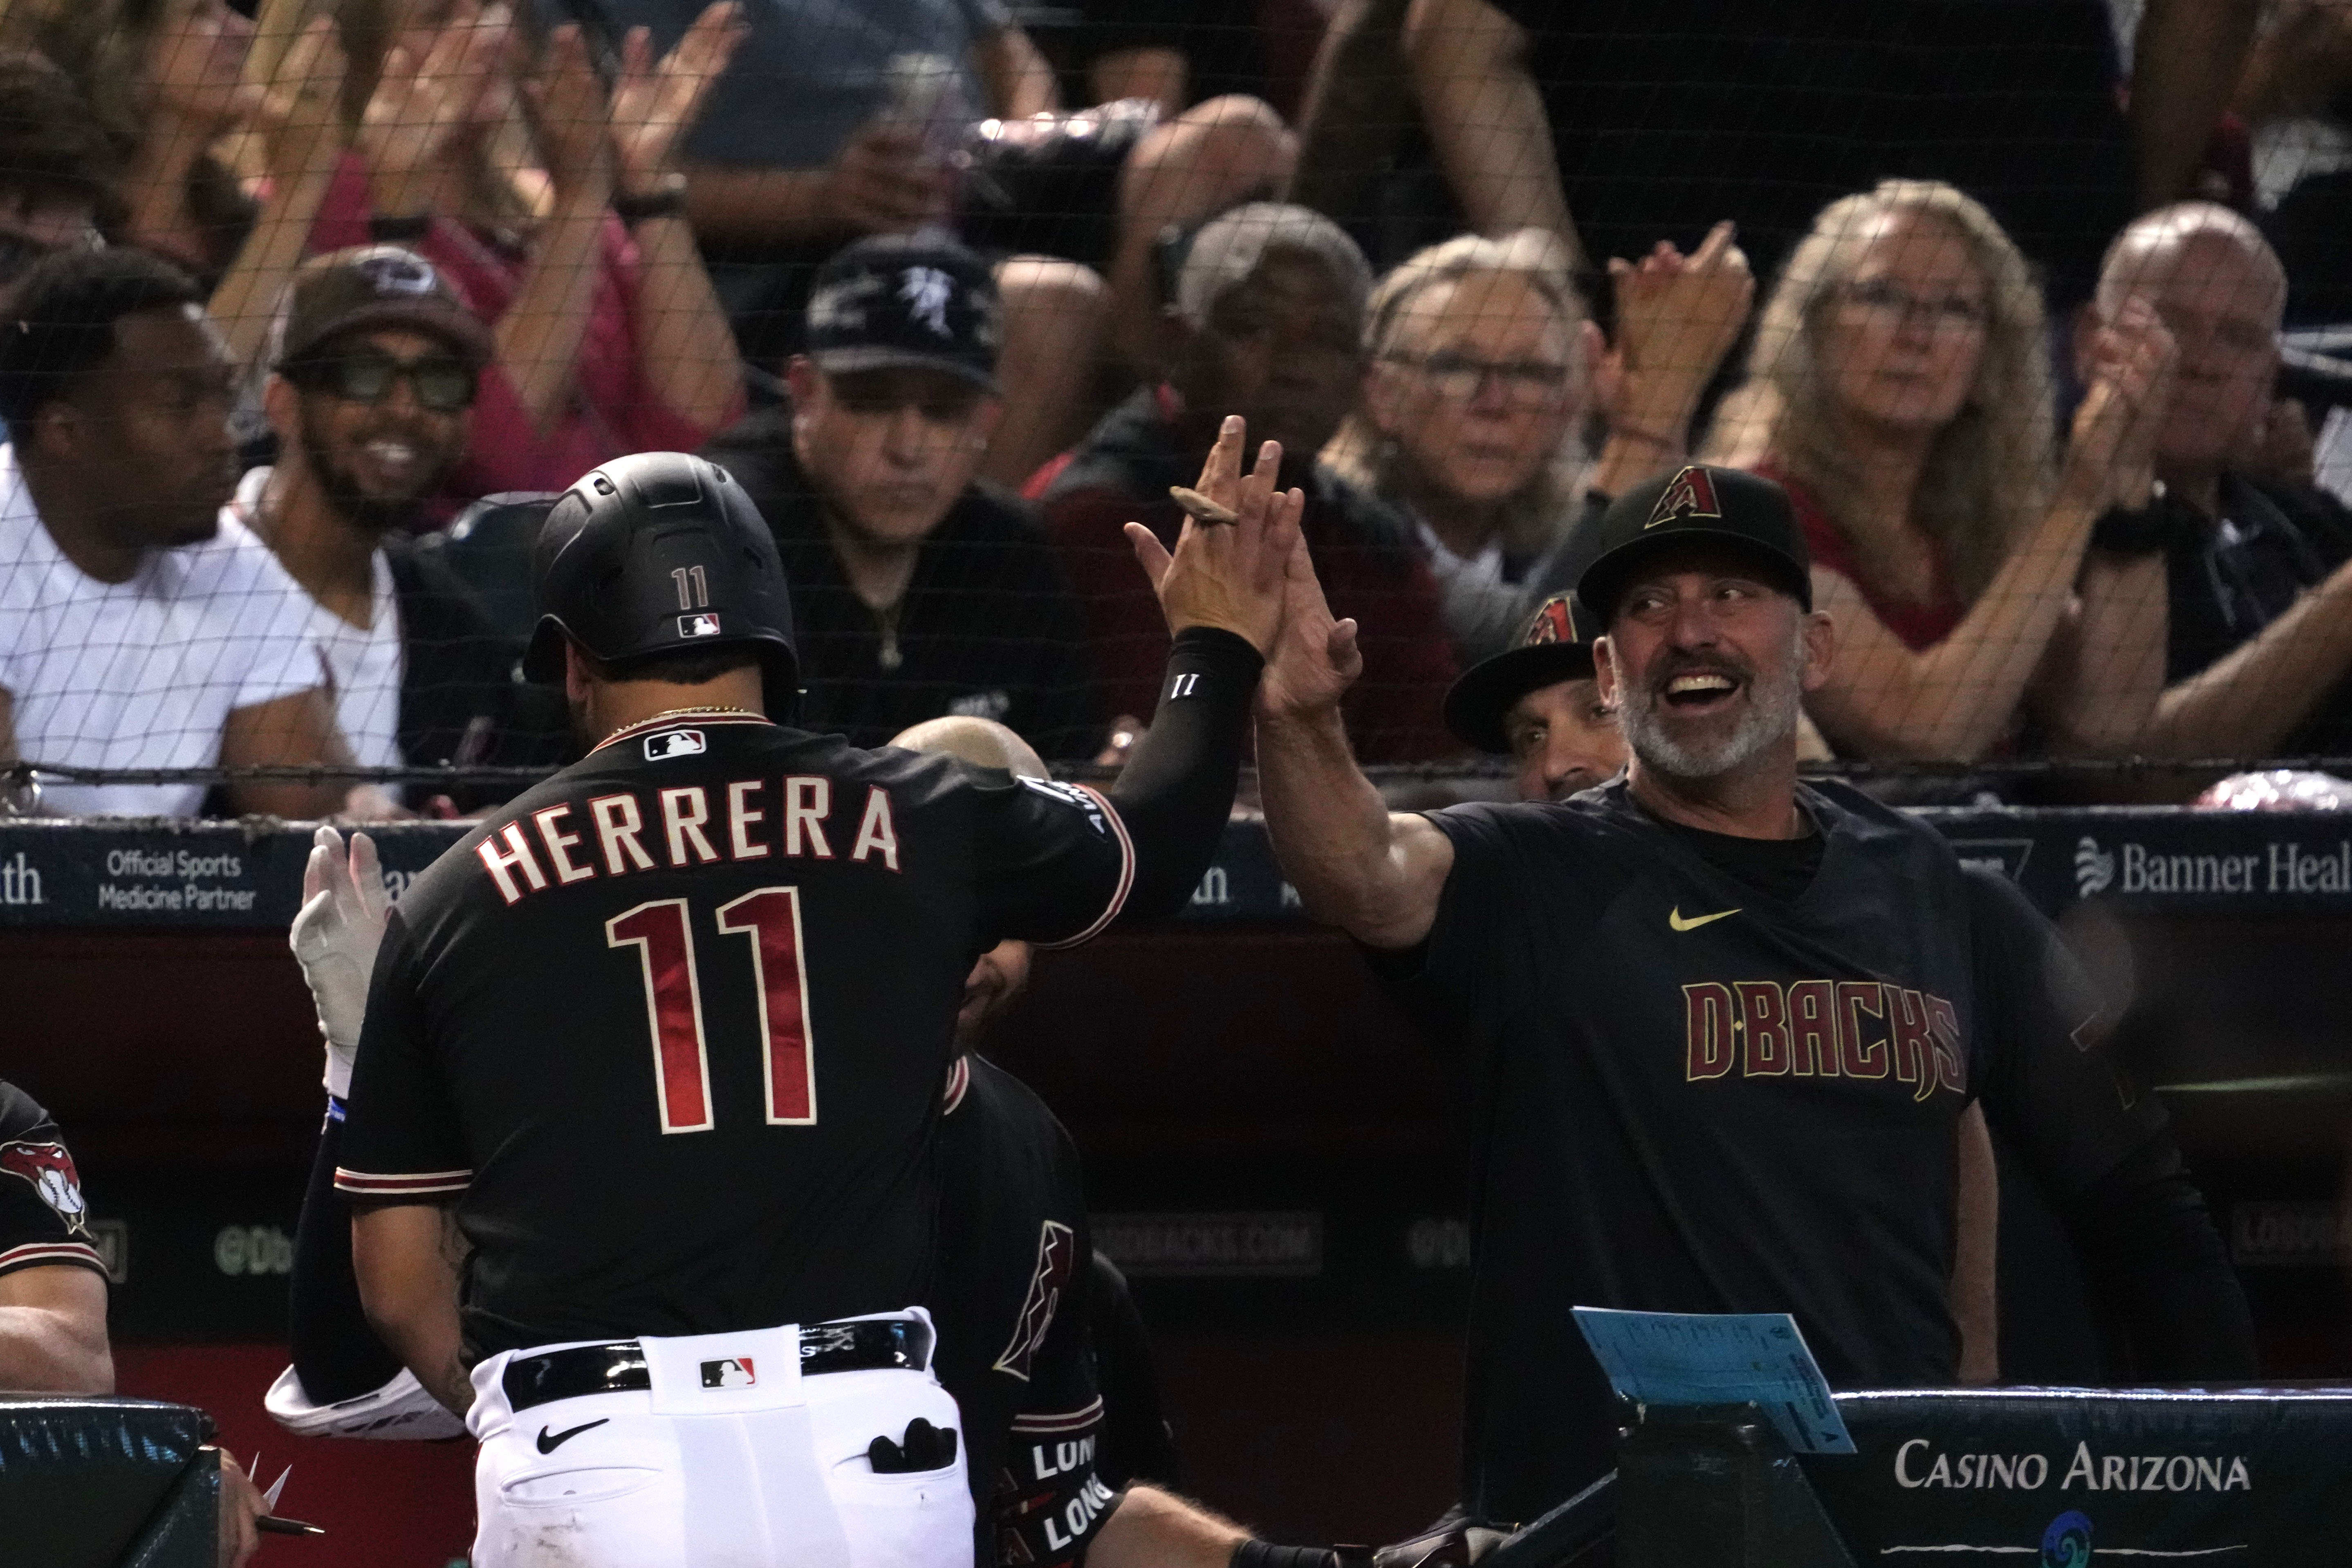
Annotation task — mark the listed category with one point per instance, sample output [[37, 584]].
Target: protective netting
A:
[[2031, 308]]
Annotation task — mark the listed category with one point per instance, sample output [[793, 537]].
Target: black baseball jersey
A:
[[42, 1217], [1693, 1094], [671, 1026], [1014, 1272]]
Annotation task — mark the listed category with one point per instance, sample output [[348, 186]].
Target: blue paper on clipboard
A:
[[1720, 1358]]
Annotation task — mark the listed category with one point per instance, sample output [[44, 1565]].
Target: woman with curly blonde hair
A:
[[1899, 387]]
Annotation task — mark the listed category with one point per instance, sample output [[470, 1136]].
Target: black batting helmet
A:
[[660, 552]]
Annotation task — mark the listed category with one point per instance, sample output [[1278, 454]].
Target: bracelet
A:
[[2138, 531], [665, 200], [386, 229]]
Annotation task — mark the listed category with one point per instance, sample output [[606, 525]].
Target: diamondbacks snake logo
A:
[[50, 1172]]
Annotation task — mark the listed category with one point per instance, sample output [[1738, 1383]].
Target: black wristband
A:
[[2138, 531], [669, 201], [386, 229], [1177, 790], [1203, 654], [1257, 1553]]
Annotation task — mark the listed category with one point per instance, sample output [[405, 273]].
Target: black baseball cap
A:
[[1556, 645], [1697, 504], [376, 286], [920, 300]]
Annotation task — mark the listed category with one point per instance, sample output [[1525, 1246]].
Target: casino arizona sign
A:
[[1918, 1464]]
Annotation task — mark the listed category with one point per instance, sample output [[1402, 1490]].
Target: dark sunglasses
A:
[[441, 384]]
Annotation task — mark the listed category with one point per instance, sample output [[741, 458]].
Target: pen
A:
[[271, 1524]]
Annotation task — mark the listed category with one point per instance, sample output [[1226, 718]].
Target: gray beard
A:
[[1774, 701]]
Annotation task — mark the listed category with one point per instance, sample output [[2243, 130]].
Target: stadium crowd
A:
[[306, 313], [288, 295]]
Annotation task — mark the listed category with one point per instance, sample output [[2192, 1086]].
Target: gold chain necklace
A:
[[711, 711]]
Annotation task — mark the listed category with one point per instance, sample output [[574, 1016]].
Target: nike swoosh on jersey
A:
[[1675, 918], [548, 1444]]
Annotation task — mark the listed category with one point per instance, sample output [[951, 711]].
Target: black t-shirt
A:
[[2063, 1117], [43, 1220], [1014, 1271], [1783, 867], [2227, 581], [987, 625], [671, 1026], [1668, 115], [1691, 1095], [2051, 1091]]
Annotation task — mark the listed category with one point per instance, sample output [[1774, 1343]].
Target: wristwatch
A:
[[666, 199], [2138, 531]]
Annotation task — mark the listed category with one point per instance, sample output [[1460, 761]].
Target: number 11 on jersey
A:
[[664, 938]]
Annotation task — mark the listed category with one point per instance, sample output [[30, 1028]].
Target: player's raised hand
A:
[[335, 938], [1230, 563], [1316, 659]]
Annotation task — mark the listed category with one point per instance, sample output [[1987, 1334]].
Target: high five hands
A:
[[1255, 578], [1229, 574]]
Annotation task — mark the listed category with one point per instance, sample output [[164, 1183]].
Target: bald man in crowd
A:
[[2256, 595]]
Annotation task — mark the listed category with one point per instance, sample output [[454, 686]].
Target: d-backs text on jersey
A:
[[1822, 1028]]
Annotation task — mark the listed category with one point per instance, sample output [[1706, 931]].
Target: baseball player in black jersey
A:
[[52, 1280], [53, 1297], [668, 1032], [1721, 1026], [1015, 1297]]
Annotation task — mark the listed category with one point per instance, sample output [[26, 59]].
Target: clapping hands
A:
[[2111, 459], [655, 103]]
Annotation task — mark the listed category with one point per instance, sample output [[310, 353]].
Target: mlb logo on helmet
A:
[[1692, 494], [674, 744], [729, 1371], [705, 626]]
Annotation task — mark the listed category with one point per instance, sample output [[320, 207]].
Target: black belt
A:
[[867, 1345]]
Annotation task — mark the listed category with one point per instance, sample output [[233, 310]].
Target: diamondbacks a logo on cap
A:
[[1690, 494], [674, 744], [729, 1371], [927, 291], [698, 625], [1554, 622], [50, 1172]]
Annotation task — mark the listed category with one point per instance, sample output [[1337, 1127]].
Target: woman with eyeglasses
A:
[[1484, 364], [1899, 386], [555, 204]]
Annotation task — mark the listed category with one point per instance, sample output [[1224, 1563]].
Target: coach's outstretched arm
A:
[[1224, 593], [1375, 875]]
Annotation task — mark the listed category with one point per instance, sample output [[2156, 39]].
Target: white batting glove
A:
[[335, 937]]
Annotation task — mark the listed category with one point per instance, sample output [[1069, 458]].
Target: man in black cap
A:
[[376, 361], [1722, 1026], [919, 591], [1539, 703]]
